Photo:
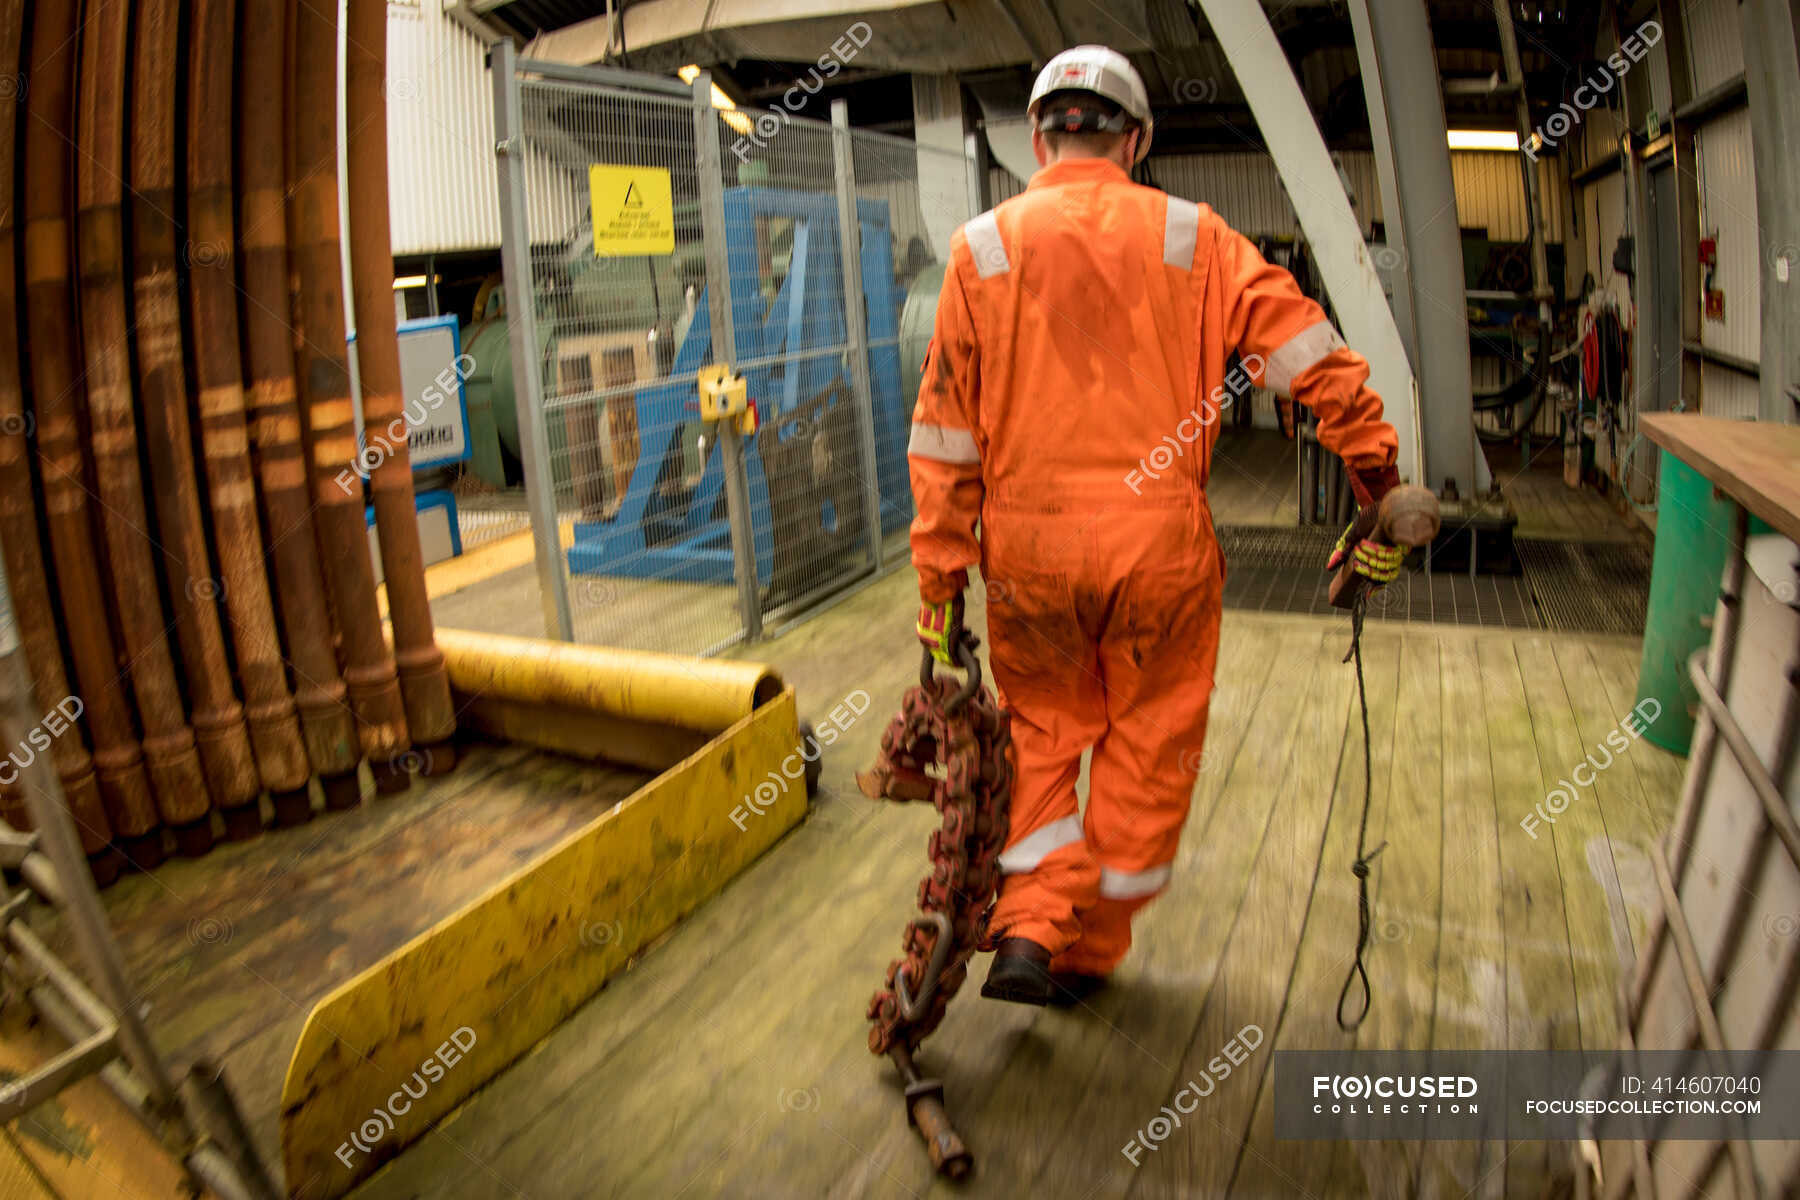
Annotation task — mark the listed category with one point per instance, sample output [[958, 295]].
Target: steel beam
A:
[[1376, 100], [1407, 101], [1332, 229]]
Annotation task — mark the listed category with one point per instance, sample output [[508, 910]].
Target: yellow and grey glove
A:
[[941, 626]]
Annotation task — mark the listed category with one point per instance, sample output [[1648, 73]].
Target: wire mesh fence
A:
[[627, 453], [666, 235], [786, 251]]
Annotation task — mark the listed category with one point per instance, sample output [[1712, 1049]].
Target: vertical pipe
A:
[[527, 358], [54, 349], [318, 304], [175, 771], [423, 685], [275, 425], [856, 323], [218, 718], [1528, 166], [218, 377], [34, 615], [724, 350]]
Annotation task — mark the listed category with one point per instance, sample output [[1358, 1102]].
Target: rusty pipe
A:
[[275, 426], [925, 1111], [175, 772], [324, 377], [424, 688], [50, 315], [218, 718], [33, 611], [281, 759]]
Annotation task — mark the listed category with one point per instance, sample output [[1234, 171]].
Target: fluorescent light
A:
[[1483, 139], [737, 120], [411, 281]]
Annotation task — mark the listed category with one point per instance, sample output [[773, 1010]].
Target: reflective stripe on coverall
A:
[[1070, 404]]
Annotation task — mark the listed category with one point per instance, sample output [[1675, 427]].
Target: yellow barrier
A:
[[388, 1053]]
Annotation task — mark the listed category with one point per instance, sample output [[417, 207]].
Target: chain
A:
[[954, 755]]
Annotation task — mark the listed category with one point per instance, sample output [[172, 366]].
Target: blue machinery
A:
[[793, 360]]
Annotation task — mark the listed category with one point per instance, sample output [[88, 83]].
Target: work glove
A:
[[1378, 563], [941, 627]]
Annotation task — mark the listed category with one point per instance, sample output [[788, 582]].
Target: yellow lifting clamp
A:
[[724, 395]]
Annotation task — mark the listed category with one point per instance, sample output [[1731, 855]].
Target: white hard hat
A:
[[1102, 71]]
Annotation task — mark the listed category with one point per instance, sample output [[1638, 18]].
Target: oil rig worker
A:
[[1069, 408]]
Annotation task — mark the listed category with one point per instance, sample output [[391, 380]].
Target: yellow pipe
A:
[[705, 695]]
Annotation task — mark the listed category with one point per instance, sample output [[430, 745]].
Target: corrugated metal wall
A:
[[442, 184], [1727, 177], [1715, 43], [442, 188], [1003, 184], [1727, 193], [1657, 63], [1247, 191], [1605, 217]]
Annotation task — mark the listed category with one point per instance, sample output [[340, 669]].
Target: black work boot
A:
[[1070, 988], [1020, 972]]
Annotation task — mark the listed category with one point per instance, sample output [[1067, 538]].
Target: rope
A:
[[1361, 867]]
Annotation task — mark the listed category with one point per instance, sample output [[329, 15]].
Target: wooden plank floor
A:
[[230, 951], [730, 1060]]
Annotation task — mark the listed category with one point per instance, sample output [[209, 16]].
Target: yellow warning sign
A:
[[633, 209]]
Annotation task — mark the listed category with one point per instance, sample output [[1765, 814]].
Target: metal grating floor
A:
[[1592, 587], [1569, 586]]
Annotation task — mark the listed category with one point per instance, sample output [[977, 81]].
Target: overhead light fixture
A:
[[402, 282], [1483, 139], [740, 122]]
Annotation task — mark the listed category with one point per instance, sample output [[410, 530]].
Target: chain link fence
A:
[[650, 234]]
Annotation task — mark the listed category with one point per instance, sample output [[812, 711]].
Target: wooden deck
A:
[[730, 1061]]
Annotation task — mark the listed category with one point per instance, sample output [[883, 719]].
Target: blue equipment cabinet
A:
[[787, 362]]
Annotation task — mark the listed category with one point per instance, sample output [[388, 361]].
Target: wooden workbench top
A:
[[1756, 463]]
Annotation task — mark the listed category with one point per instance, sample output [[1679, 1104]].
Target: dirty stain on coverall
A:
[[1082, 325]]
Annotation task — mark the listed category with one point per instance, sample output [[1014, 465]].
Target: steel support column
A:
[[724, 345], [521, 325], [1331, 227], [856, 323], [1772, 81], [1392, 226], [975, 156], [1409, 102]]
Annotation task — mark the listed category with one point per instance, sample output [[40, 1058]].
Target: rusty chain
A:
[[947, 744]]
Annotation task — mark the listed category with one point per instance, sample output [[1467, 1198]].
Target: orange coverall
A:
[[1070, 405]]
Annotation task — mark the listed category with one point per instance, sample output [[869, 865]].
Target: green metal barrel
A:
[[1693, 536]]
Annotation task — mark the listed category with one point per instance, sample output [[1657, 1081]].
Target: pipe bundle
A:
[[190, 577]]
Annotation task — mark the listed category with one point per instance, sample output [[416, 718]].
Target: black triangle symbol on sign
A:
[[632, 199]]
